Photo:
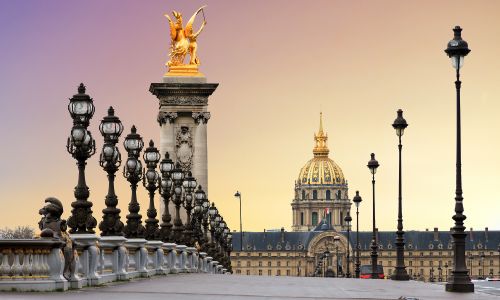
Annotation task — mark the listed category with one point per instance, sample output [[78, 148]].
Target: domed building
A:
[[321, 191]]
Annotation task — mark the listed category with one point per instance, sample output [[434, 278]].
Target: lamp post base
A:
[[465, 287], [400, 275]]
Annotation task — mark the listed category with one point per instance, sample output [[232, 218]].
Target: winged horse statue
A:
[[184, 39]]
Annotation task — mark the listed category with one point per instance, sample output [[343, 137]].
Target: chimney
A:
[[470, 235], [436, 234], [486, 234], [282, 234]]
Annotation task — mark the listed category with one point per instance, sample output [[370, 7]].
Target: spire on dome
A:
[[321, 148]]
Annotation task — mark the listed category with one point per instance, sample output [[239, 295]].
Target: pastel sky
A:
[[278, 63]]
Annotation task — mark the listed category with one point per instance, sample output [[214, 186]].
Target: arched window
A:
[[328, 196], [314, 218], [303, 194], [301, 218], [315, 194]]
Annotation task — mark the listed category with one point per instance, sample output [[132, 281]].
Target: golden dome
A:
[[321, 169]]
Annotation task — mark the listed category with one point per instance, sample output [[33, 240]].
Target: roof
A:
[[415, 240]]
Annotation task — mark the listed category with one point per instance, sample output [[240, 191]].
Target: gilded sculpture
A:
[[183, 42]]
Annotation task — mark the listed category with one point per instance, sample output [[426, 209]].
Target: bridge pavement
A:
[[220, 287]]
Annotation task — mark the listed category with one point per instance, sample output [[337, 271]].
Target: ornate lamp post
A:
[[459, 280], [166, 167], [81, 146], [373, 165], [238, 195], [348, 220], [189, 185], [213, 212], [446, 271], [336, 240], [357, 201], [111, 128], [150, 181], [400, 272], [177, 177], [206, 206], [482, 266], [133, 172], [200, 198]]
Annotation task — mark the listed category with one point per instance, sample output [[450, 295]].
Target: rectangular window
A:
[[268, 263], [279, 263], [314, 218], [248, 263], [260, 272], [301, 218], [287, 272], [260, 264], [268, 272], [278, 273], [238, 271], [248, 272]]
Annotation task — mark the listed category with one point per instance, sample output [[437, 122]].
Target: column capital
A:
[[201, 117], [165, 116]]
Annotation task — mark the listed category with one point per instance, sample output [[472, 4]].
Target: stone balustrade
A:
[[38, 264]]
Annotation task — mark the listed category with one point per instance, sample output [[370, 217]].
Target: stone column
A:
[[166, 120], [200, 162]]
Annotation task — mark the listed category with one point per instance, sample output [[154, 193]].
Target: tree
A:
[[19, 232]]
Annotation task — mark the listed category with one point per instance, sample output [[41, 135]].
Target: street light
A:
[[357, 201], [459, 280], [373, 165], [133, 172], [348, 220], [336, 240], [150, 181], [111, 128], [400, 272], [177, 176], [199, 211], [482, 265], [81, 146], [446, 268], [166, 167], [189, 185], [238, 195]]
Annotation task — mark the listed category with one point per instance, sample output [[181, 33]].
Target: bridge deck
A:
[[204, 286]]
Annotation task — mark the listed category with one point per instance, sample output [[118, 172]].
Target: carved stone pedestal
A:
[[183, 118]]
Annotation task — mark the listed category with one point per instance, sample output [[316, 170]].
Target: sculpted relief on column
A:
[[184, 147]]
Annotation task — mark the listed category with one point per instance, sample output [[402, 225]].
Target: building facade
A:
[[321, 191], [320, 204]]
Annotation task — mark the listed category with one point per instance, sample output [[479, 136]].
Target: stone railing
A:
[[38, 264]]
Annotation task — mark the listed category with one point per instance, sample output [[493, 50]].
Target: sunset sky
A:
[[278, 64]]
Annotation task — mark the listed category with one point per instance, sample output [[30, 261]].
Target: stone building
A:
[[321, 189], [321, 201]]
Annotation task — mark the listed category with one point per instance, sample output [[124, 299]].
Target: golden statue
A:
[[184, 42]]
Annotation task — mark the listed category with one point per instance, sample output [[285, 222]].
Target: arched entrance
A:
[[328, 255]]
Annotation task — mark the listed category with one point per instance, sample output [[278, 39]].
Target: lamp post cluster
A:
[[158, 175]]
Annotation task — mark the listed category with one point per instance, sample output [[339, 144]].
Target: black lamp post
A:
[[373, 165], [459, 280], [200, 198], [357, 201], [206, 209], [150, 181], [111, 128], [238, 195], [133, 172], [81, 146], [166, 167], [482, 266], [446, 271], [177, 177], [400, 272], [348, 220], [213, 212], [336, 240], [189, 185]]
